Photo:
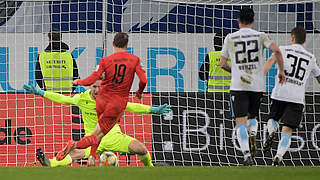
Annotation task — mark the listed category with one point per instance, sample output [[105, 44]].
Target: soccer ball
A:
[[108, 159]]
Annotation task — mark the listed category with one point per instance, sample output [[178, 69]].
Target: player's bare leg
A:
[[272, 129], [252, 124], [283, 145], [136, 147], [77, 154], [243, 139]]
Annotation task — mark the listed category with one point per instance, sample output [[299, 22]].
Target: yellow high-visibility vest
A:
[[57, 71], [219, 79]]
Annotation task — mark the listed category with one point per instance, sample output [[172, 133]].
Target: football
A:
[[108, 159]]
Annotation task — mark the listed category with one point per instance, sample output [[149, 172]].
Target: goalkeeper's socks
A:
[[66, 161], [86, 141], [272, 126], [284, 144], [242, 136], [146, 159], [253, 126]]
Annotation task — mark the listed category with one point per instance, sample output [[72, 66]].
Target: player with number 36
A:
[[245, 49]]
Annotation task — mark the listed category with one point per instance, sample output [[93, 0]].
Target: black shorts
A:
[[245, 103], [290, 114]]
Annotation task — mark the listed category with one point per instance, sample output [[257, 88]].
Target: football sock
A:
[[66, 161], [284, 144], [86, 142], [146, 159], [94, 148], [243, 138], [272, 126], [252, 126]]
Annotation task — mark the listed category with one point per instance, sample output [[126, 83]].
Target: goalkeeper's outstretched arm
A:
[[141, 108], [55, 97]]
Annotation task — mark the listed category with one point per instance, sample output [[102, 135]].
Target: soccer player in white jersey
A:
[[245, 48], [288, 98]]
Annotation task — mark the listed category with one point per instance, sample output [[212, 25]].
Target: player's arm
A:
[[38, 75], [93, 77], [141, 108], [277, 53], [278, 56], [267, 66], [204, 69], [318, 79], [225, 55], [143, 79], [315, 70], [55, 97], [224, 64]]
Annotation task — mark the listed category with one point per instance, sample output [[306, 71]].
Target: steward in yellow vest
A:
[[219, 80], [56, 68]]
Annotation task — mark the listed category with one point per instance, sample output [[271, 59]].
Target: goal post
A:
[[172, 39]]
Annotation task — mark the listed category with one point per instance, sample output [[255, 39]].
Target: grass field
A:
[[165, 173]]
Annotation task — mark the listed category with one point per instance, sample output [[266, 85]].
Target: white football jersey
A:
[[245, 48], [298, 64]]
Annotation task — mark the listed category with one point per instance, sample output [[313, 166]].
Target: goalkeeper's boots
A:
[[42, 158], [66, 150], [252, 145], [277, 160], [247, 159], [267, 145]]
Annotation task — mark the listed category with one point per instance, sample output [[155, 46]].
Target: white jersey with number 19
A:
[[298, 64], [245, 48]]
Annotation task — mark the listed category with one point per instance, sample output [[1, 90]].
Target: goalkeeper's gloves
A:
[[33, 90], [161, 110]]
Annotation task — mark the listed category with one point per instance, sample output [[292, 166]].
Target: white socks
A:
[[272, 125], [284, 144], [242, 136], [252, 126]]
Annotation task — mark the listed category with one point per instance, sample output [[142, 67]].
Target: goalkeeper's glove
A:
[[161, 110], [33, 90]]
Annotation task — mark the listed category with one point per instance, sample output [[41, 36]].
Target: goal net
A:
[[172, 38]]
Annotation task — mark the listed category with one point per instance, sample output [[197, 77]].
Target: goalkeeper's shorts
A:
[[114, 141]]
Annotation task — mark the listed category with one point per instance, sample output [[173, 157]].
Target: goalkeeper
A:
[[114, 141]]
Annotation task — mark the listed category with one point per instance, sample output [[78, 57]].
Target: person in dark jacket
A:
[[55, 67], [205, 67]]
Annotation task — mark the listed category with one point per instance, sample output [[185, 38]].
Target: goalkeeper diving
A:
[[114, 141]]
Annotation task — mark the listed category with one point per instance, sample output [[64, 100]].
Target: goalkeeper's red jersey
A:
[[119, 69]]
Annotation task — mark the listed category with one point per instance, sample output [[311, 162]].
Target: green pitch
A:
[[164, 173]]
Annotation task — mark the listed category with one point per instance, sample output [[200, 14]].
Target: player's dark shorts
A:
[[245, 103], [290, 114]]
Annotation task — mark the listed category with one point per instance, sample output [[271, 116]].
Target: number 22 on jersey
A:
[[246, 52]]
